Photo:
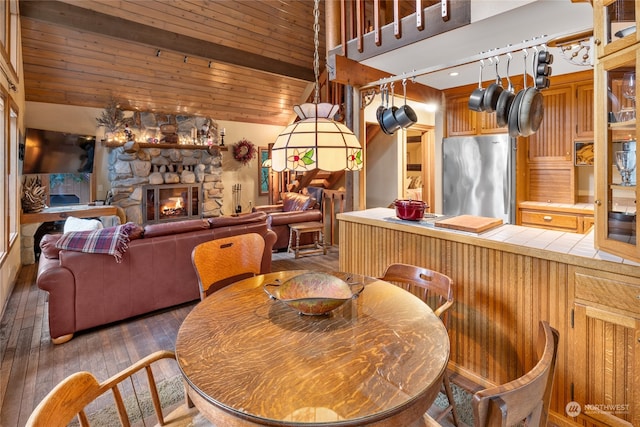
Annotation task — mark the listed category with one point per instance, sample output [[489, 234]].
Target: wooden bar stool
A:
[[318, 244]]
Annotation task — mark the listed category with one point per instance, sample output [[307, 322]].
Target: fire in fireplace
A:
[[171, 202]]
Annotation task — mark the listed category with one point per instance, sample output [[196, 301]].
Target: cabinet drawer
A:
[[610, 292], [551, 220]]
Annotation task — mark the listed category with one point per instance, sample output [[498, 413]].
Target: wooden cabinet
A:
[[616, 127], [575, 219], [583, 118], [553, 141], [606, 335], [460, 119]]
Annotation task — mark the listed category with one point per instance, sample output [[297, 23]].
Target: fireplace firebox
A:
[[171, 202]]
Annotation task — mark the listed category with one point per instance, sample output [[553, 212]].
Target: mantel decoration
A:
[[112, 118], [316, 141], [244, 151]]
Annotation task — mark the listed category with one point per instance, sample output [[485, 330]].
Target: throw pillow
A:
[[48, 245], [78, 224], [295, 202]]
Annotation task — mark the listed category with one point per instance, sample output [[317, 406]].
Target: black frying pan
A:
[[531, 107], [476, 98], [505, 100], [492, 93]]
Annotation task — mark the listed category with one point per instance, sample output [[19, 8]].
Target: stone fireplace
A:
[[186, 180], [164, 150]]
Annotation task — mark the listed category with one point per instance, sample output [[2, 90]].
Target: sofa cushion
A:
[[48, 245], [78, 224], [296, 202], [163, 229], [133, 230]]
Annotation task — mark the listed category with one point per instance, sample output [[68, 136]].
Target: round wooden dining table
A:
[[250, 360]]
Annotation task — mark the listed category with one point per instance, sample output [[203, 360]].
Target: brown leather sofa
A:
[[88, 290], [295, 208]]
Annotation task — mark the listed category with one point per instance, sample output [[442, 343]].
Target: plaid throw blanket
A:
[[112, 240]]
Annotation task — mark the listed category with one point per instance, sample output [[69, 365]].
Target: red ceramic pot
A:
[[412, 210]]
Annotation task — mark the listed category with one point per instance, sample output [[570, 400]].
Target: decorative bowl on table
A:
[[412, 210], [312, 293]]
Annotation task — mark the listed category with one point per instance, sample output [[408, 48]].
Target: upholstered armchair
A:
[[295, 208]]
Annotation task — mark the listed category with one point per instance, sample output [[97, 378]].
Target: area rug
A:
[[463, 406], [171, 392]]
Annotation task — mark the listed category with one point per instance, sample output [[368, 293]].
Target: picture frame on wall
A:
[[263, 171]]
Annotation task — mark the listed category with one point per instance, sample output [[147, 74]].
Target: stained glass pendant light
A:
[[316, 141]]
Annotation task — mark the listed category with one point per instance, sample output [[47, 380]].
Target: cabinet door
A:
[[616, 130], [584, 111], [460, 119], [614, 25], [607, 355], [553, 141], [489, 124]]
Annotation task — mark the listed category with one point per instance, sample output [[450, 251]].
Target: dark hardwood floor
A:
[[31, 366]]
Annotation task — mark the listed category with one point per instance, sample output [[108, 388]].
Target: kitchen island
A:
[[507, 279]]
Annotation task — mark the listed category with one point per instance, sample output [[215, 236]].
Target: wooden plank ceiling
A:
[[240, 60]]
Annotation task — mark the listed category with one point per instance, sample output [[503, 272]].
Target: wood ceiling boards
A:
[[246, 60]]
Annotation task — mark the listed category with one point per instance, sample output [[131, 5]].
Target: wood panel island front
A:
[[506, 280]]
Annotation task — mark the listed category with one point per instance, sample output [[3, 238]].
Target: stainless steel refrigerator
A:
[[479, 176]]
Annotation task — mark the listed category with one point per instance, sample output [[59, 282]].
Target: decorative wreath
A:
[[244, 151]]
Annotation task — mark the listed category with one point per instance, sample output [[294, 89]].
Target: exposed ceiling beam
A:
[[87, 20], [349, 72]]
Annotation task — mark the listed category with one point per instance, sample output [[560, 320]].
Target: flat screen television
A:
[[49, 151]]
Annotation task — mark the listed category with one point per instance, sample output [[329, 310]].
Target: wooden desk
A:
[[249, 360], [63, 212]]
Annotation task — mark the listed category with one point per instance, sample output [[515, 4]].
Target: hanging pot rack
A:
[[369, 89]]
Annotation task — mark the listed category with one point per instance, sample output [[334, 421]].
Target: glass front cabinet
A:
[[616, 127]]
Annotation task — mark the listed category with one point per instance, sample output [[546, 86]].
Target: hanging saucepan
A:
[[390, 124], [405, 115], [493, 91], [505, 99], [476, 98], [531, 106]]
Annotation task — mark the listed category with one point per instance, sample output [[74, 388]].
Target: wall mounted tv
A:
[[49, 151]]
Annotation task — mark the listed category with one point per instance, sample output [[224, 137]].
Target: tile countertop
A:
[[557, 242]]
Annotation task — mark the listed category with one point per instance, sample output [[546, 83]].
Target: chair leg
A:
[[452, 403]]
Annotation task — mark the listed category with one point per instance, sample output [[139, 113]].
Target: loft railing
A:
[[372, 27]]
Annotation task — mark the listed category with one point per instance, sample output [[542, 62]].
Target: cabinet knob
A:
[[597, 42], [547, 218], [597, 202]]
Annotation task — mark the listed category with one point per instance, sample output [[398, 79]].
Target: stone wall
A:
[[130, 170]]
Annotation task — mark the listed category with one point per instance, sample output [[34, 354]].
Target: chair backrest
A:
[[526, 398], [434, 288], [72, 395], [223, 261]]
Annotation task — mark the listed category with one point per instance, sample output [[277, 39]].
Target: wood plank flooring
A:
[[31, 366]]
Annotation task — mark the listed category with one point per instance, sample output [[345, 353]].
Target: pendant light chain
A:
[[316, 58]]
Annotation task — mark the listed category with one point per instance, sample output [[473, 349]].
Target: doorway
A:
[[418, 176]]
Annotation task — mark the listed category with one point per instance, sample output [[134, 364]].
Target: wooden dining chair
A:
[[71, 396], [436, 290], [223, 261], [526, 398]]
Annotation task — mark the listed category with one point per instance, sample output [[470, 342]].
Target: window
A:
[[13, 175], [4, 152]]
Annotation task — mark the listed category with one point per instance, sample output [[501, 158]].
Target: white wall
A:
[[65, 118], [385, 155]]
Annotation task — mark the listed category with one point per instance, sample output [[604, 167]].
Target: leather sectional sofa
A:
[[88, 290]]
